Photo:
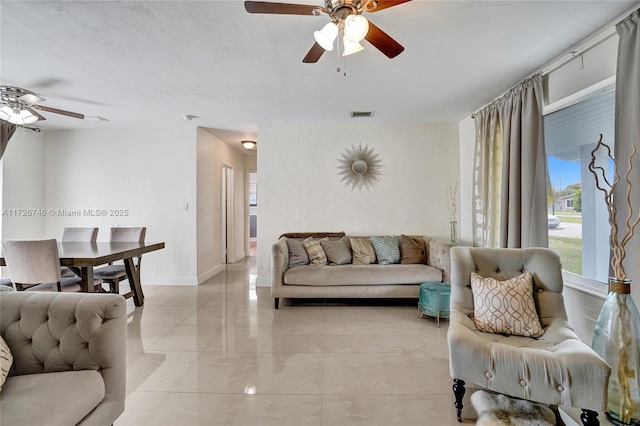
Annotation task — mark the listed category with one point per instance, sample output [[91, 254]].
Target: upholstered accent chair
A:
[[69, 358], [556, 368]]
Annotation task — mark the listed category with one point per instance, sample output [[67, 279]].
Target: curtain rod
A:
[[601, 35]]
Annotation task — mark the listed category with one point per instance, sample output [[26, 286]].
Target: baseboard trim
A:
[[210, 273]]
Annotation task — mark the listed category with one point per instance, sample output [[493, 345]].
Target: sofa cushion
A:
[[344, 275], [337, 252], [62, 398], [362, 251], [297, 253], [314, 249], [505, 307], [412, 250], [387, 249], [6, 359]]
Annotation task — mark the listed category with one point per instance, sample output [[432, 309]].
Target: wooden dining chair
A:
[[113, 274], [34, 265], [76, 235]]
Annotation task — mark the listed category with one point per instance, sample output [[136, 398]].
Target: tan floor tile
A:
[[159, 371], [167, 315], [188, 337], [196, 409], [241, 338], [139, 407], [351, 344], [365, 410], [294, 373], [218, 372], [279, 410]]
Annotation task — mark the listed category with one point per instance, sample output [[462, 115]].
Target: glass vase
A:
[[615, 339], [453, 231]]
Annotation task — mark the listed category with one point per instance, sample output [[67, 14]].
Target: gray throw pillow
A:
[[337, 252], [387, 249], [297, 253]]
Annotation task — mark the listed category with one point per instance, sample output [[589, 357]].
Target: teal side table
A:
[[434, 300]]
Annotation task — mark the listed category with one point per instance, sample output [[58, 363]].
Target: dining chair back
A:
[[35, 264], [113, 274], [79, 235], [76, 235]]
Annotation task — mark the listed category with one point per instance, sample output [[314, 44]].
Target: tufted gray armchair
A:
[[69, 358], [556, 368]]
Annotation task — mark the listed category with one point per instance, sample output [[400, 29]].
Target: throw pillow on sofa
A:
[[297, 253], [387, 249], [315, 252], [6, 359], [362, 251], [337, 252], [412, 250]]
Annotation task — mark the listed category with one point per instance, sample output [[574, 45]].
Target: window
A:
[[582, 236]]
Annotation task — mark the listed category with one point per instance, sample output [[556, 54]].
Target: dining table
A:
[[83, 257]]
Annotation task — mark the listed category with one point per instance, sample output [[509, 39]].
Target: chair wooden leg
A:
[[458, 391], [589, 418], [276, 302]]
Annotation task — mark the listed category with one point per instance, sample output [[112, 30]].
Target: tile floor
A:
[[219, 354]]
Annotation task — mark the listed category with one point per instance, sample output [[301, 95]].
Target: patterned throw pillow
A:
[[297, 253], [315, 252], [412, 250], [362, 251], [387, 249], [337, 252], [6, 359], [505, 307]]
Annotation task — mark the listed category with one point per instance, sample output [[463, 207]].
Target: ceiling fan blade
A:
[[313, 54], [384, 4], [58, 111], [383, 41], [281, 8], [34, 112], [30, 98]]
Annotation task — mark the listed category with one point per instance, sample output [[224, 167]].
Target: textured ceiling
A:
[[150, 62]]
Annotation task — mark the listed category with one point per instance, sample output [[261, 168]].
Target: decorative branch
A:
[[608, 188], [452, 201]]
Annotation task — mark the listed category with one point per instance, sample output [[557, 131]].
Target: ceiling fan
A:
[[346, 15], [18, 106]]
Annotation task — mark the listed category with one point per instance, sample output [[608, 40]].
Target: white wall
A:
[[22, 181], [149, 172], [212, 153], [300, 190]]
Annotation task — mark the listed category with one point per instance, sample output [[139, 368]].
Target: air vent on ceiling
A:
[[361, 114]]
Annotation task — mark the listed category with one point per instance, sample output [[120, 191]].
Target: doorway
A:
[[227, 214], [252, 179]]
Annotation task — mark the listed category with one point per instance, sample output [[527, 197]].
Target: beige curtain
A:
[[628, 134], [510, 196], [487, 178], [6, 131]]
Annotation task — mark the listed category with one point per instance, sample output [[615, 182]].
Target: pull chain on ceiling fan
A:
[[346, 16]]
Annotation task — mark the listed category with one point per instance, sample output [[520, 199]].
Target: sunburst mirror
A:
[[359, 167]]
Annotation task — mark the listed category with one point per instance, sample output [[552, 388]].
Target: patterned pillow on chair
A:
[[505, 307]]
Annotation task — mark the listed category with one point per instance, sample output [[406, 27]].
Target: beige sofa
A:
[[354, 281], [69, 358]]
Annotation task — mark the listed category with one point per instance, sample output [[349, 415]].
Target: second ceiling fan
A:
[[346, 15]]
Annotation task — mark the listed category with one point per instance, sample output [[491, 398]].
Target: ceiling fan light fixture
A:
[[356, 28], [351, 47], [326, 36], [249, 145], [17, 116]]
